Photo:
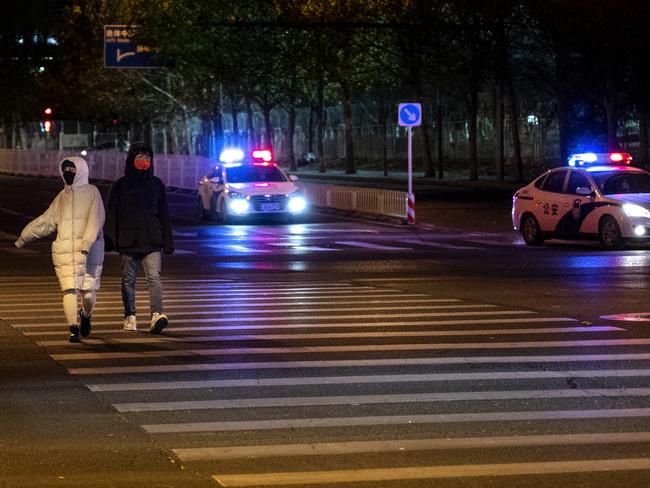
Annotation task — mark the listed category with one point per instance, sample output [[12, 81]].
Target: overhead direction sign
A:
[[121, 49], [409, 114]]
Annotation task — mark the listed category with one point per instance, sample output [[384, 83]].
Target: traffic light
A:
[[47, 124]]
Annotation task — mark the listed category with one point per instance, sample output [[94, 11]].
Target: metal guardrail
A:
[[358, 199], [184, 172]]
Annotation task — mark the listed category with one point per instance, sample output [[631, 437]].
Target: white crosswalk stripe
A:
[[354, 369]]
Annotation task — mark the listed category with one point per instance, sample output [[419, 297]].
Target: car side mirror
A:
[[584, 190], [293, 177]]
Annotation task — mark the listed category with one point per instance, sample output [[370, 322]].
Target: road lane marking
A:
[[275, 337], [18, 214], [232, 293], [434, 244], [457, 396], [8, 308], [438, 418], [317, 325], [430, 472], [335, 363], [367, 245], [307, 298], [238, 248], [260, 318], [381, 334], [401, 445], [369, 379]]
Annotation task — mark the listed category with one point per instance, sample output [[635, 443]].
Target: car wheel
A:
[[530, 231], [609, 234], [201, 212], [224, 218]]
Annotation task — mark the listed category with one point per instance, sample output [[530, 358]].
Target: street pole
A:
[[410, 204], [409, 115]]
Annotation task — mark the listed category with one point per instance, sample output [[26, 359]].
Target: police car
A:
[[597, 196], [238, 187]]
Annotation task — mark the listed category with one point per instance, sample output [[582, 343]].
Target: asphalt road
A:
[[333, 350]]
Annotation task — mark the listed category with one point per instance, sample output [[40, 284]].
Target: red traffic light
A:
[[48, 111]]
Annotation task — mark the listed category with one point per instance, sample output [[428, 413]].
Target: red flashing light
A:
[[616, 157], [263, 154], [620, 157]]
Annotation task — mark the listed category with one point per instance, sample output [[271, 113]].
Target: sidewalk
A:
[[54, 432]]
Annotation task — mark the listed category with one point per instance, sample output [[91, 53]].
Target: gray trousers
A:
[[151, 264]]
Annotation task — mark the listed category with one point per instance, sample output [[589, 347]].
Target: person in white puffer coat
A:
[[77, 216]]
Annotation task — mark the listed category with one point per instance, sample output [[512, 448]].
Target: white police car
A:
[[240, 187], [597, 196]]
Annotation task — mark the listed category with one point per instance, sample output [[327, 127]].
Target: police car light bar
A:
[[588, 159]]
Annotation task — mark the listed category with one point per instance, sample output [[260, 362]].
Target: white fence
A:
[[184, 172]]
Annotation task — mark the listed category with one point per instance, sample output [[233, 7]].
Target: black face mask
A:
[[68, 177]]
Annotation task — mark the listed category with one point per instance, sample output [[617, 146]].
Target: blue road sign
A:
[[409, 114], [122, 51]]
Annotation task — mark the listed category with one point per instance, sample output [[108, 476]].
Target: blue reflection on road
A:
[[608, 261]]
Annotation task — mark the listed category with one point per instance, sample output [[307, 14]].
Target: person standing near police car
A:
[[77, 216], [138, 226]]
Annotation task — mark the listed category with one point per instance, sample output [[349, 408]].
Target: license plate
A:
[[270, 207]]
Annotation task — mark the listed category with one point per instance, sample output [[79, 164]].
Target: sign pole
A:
[[410, 205], [409, 115]]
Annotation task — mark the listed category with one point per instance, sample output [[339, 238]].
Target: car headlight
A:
[[632, 210], [297, 204], [239, 206]]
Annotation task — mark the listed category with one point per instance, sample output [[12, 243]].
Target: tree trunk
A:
[[473, 105], [251, 141], [268, 130], [310, 134], [347, 120], [439, 132], [612, 122], [498, 133], [473, 130], [514, 123], [290, 137], [382, 118], [235, 124], [644, 150], [320, 112]]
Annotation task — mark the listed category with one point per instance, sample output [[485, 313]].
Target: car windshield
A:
[[254, 173], [616, 182]]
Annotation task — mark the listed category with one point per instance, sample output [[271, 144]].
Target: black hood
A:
[[135, 148]]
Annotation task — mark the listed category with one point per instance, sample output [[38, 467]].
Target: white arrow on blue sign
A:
[[409, 114]]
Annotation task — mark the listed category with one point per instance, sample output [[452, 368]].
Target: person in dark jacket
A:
[[138, 227]]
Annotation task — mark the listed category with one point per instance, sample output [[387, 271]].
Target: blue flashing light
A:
[[582, 158], [231, 155]]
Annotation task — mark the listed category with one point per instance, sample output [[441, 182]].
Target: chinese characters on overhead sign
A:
[[121, 49]]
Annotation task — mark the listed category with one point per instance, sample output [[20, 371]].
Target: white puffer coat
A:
[[77, 217]]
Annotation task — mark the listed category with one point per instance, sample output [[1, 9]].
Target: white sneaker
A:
[[158, 322], [130, 323]]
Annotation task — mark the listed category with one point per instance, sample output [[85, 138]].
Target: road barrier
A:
[[178, 171]]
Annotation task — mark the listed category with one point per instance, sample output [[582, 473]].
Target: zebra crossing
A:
[[283, 383], [328, 239]]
